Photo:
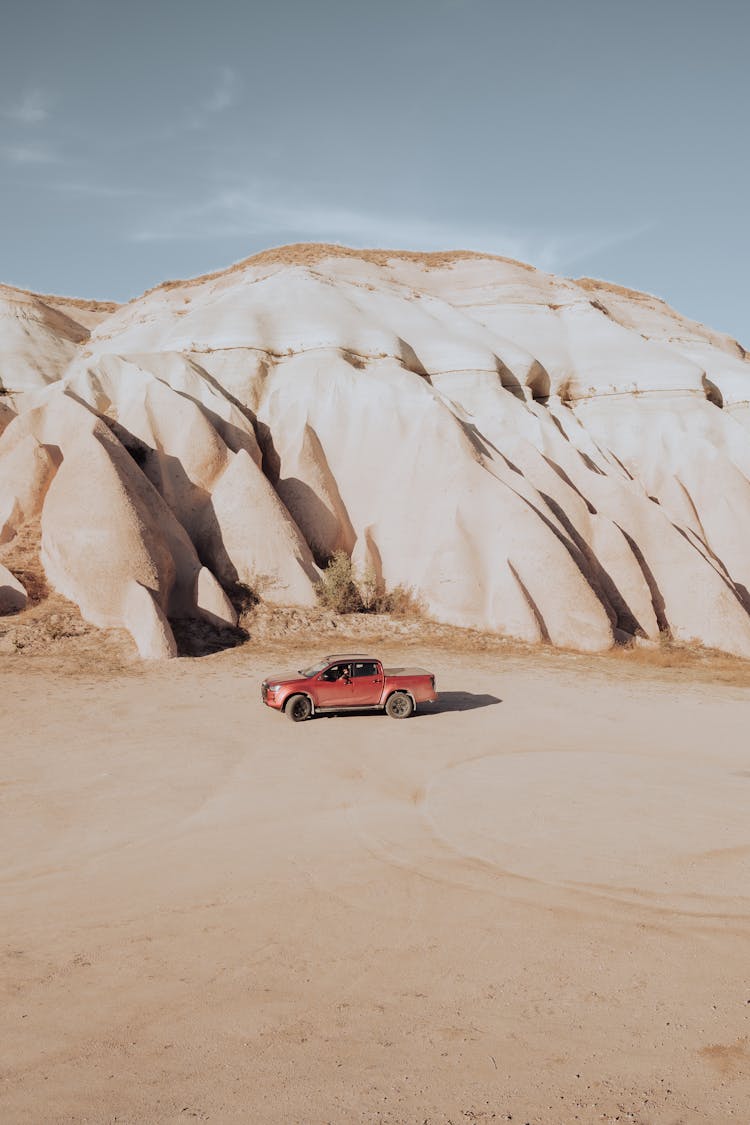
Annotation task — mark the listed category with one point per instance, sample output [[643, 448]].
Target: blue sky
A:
[[144, 141]]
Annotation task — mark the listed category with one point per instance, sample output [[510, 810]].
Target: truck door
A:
[[335, 687], [367, 682]]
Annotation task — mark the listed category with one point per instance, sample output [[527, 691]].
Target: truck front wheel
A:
[[298, 708], [399, 705]]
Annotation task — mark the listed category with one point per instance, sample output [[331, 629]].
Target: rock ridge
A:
[[558, 461]]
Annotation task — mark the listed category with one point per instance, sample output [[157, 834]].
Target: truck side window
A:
[[336, 672], [366, 668]]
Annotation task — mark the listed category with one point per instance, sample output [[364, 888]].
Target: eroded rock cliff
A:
[[555, 460]]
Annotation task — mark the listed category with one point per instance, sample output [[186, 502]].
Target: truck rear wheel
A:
[[399, 705], [298, 708]]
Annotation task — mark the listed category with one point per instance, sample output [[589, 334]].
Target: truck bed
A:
[[406, 672]]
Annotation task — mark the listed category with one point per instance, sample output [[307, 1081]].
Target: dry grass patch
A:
[[698, 662]]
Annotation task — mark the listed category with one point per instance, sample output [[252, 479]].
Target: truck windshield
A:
[[308, 673]]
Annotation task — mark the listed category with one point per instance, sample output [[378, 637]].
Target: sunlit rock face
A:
[[553, 460]]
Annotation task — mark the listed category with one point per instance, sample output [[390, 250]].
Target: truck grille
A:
[[264, 692]]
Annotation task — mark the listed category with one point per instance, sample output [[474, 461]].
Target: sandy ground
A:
[[532, 905]]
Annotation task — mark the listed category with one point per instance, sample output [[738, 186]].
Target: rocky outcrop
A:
[[554, 460], [36, 341], [12, 593]]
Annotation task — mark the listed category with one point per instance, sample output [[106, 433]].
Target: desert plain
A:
[[528, 903]]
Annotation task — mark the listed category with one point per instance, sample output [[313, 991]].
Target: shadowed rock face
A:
[[553, 460], [37, 341], [12, 594]]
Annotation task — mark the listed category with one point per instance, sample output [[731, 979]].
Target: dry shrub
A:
[[243, 596], [401, 601], [337, 589], [341, 590]]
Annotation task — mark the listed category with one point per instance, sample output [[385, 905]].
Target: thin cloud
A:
[[30, 154], [225, 94], [264, 213], [575, 248], [236, 214], [85, 190], [32, 109]]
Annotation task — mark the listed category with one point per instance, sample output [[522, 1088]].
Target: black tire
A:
[[399, 705], [298, 708]]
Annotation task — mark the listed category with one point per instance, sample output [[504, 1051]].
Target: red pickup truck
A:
[[349, 682]]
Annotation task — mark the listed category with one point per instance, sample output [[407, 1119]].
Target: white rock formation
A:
[[550, 459], [211, 600], [26, 468], [147, 622], [109, 542], [36, 341], [7, 414], [12, 593]]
